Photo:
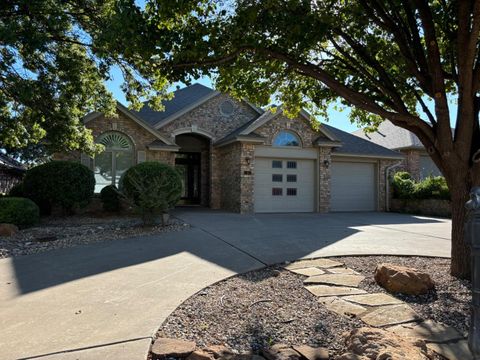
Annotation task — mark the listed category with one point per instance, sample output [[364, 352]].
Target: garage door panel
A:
[[301, 197], [353, 186]]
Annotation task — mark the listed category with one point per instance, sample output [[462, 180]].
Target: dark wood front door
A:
[[188, 165]]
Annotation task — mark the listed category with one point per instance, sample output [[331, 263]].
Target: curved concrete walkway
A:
[[104, 301]]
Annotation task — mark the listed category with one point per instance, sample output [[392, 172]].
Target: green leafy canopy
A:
[[55, 57]]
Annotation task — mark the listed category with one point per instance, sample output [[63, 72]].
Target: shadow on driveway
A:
[[228, 239]]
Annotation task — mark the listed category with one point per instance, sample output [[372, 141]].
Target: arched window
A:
[[286, 138], [114, 161]]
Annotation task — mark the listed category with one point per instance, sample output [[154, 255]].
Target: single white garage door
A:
[[353, 187], [284, 185]]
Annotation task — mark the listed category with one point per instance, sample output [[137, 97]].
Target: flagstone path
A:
[[336, 286]]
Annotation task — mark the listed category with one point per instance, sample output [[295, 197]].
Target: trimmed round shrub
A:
[[19, 211], [153, 188], [63, 184], [110, 198], [153, 175]]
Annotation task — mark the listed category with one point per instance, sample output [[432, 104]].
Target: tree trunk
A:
[[460, 266]]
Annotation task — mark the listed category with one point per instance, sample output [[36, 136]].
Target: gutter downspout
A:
[[387, 184]]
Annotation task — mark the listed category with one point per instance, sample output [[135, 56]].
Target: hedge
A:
[[432, 187]]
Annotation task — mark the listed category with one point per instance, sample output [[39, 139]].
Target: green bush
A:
[[153, 189], [16, 190], [110, 198], [432, 187], [403, 175], [19, 211], [403, 186], [61, 184]]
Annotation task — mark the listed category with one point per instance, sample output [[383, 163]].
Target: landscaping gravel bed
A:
[[449, 303], [256, 310], [268, 306], [56, 233]]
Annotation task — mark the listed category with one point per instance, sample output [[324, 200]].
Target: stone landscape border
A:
[[337, 288]]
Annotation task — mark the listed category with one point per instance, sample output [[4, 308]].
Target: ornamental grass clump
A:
[[152, 188]]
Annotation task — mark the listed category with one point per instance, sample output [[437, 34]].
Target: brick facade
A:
[[227, 172], [411, 163], [383, 166]]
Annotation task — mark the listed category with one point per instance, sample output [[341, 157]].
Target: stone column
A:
[[324, 164]]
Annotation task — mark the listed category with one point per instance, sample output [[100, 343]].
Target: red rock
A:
[[372, 343], [163, 348], [401, 279], [8, 229], [311, 353], [211, 353], [281, 352]]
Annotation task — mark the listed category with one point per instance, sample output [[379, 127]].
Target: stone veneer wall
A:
[[430, 207], [382, 184], [247, 178], [298, 125], [139, 136], [324, 164], [234, 177], [208, 117]]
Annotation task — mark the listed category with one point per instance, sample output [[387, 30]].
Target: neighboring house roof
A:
[[9, 163], [356, 146], [391, 136]]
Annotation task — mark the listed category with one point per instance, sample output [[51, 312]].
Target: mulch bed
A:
[[268, 306], [61, 232]]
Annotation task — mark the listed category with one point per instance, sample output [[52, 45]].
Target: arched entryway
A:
[[193, 163]]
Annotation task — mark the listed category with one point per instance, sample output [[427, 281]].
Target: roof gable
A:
[[130, 114], [184, 100], [269, 116]]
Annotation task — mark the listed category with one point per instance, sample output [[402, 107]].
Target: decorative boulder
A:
[[8, 229], [371, 343], [164, 348], [401, 279]]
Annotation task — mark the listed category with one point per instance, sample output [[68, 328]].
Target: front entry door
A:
[[188, 165]]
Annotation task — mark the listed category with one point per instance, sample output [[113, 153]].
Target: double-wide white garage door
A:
[[284, 185], [353, 186]]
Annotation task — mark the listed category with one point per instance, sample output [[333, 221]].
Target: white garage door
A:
[[353, 187], [284, 185]]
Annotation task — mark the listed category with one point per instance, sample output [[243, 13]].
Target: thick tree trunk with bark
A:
[[460, 266]]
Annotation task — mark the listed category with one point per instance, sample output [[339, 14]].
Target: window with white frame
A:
[[117, 158], [286, 138]]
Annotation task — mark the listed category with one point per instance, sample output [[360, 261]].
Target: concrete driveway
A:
[[104, 301]]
